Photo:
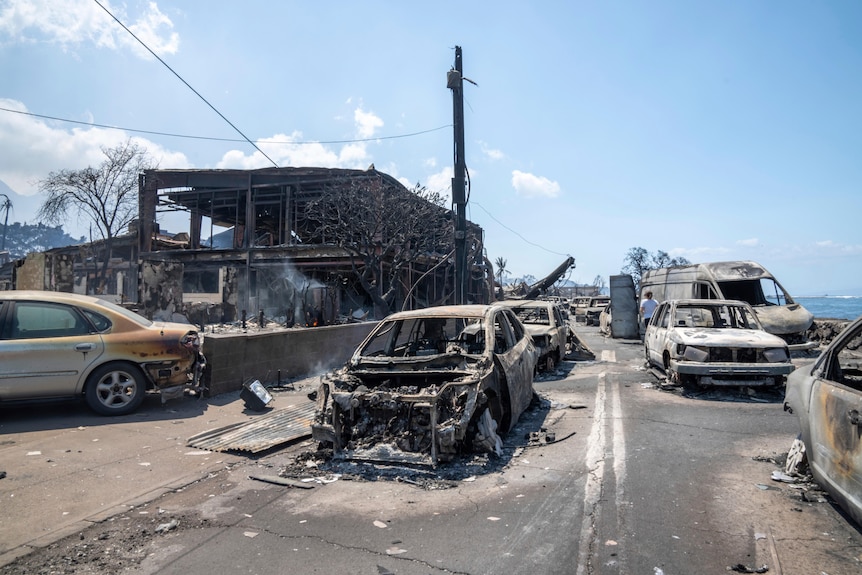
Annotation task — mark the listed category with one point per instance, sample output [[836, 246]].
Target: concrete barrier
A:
[[239, 357]]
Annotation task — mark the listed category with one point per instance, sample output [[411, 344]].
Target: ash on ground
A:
[[530, 432]]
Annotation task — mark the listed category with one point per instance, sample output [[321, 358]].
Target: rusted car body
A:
[[546, 325], [715, 342], [826, 396], [57, 345], [428, 384]]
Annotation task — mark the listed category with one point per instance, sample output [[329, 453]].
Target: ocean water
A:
[[832, 306]]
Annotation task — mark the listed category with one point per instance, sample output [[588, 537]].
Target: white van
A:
[[745, 280]]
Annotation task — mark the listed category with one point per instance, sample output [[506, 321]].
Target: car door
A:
[[559, 325], [516, 355], [835, 419], [45, 348], [656, 333]]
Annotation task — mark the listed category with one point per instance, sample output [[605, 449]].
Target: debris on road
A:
[[169, 526], [281, 481], [264, 432]]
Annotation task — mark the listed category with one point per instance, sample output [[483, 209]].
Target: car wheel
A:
[[551, 362], [115, 389]]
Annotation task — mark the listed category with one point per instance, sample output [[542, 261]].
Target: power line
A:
[[141, 42], [517, 234], [214, 139]]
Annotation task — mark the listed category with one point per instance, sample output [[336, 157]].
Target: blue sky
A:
[[714, 131]]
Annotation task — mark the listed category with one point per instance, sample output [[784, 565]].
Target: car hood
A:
[[728, 337], [535, 330], [784, 319]]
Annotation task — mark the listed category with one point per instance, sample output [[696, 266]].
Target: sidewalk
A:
[[67, 468]]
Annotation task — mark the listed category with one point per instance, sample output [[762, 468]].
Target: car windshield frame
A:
[[417, 336], [715, 316]]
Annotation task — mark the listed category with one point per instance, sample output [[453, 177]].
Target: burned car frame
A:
[[714, 342], [546, 324], [428, 384], [826, 396]]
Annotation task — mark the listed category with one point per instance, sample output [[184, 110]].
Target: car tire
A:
[[551, 362], [115, 389]]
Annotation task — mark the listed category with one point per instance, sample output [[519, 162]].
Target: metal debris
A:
[[263, 432], [274, 479]]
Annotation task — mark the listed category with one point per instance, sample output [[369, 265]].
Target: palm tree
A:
[[501, 269]]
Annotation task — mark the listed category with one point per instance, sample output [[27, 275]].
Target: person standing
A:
[[648, 305]]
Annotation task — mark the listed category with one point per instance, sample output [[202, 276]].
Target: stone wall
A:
[[237, 358]]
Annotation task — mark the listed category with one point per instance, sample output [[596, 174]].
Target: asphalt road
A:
[[635, 479]]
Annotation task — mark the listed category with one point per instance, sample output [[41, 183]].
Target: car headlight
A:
[[692, 353], [776, 355]]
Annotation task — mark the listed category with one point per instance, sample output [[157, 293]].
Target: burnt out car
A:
[[826, 396], [57, 345], [428, 384], [592, 315], [714, 342], [547, 326]]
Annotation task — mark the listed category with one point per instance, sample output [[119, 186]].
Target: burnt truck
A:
[[746, 281]]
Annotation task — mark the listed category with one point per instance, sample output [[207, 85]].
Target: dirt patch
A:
[[115, 545]]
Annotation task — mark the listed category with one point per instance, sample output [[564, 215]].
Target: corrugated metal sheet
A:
[[265, 432]]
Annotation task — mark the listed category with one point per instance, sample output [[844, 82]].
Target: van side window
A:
[[704, 291]]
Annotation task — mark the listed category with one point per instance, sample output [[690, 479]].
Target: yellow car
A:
[[56, 345]]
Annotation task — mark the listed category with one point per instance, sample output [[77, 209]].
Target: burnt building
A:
[[294, 246]]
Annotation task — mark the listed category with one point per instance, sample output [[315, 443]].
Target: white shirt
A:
[[647, 307]]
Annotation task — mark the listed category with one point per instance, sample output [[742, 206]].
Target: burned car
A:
[[547, 326], [428, 384], [826, 396], [592, 315], [714, 342], [57, 345]]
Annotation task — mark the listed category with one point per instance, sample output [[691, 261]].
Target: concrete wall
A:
[[236, 358]]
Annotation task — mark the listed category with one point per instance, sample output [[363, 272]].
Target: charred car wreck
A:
[[429, 384]]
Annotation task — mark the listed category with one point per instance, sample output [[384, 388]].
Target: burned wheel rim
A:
[[115, 389]]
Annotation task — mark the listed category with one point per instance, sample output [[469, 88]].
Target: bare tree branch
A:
[[106, 195]]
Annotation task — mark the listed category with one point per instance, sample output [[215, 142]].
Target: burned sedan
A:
[[714, 342], [57, 345], [826, 396], [428, 384], [547, 326]]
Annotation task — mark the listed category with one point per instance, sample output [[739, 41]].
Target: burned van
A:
[[743, 280]]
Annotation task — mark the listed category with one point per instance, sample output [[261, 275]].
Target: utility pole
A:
[[455, 82]]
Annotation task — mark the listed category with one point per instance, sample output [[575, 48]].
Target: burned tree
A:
[[639, 260], [384, 228], [107, 195]]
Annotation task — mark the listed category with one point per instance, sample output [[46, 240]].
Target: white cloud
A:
[[491, 153], [70, 23], [290, 150], [441, 182], [366, 123], [750, 242], [31, 148], [832, 246], [531, 186]]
